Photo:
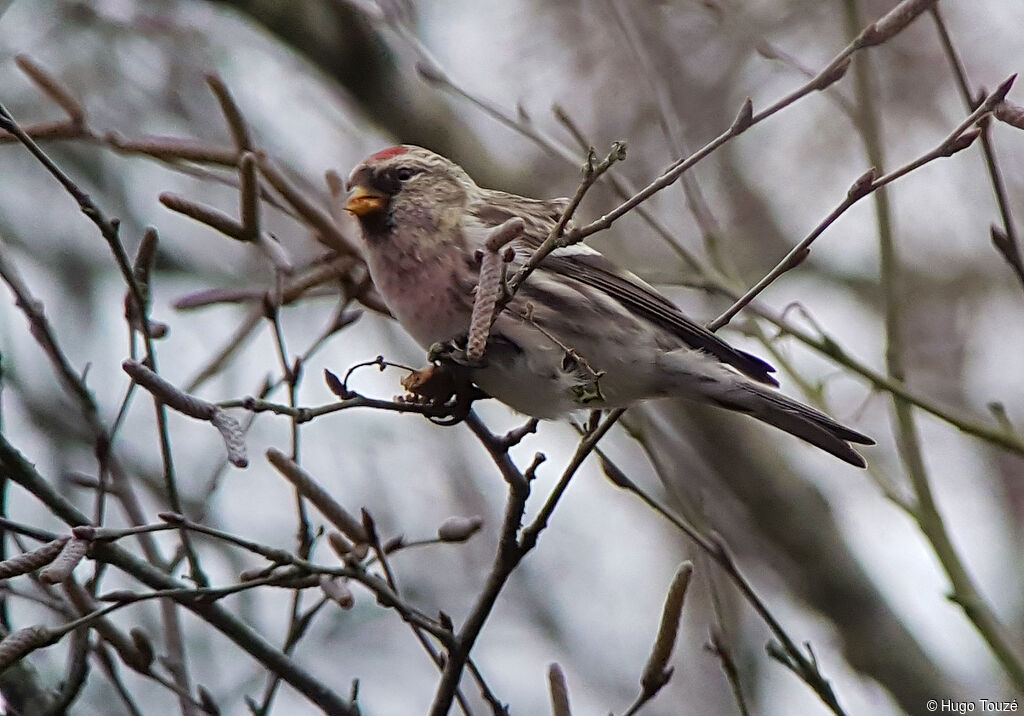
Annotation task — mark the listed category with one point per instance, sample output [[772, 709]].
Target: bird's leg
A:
[[454, 351]]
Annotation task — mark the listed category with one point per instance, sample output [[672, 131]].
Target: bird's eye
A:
[[404, 173]]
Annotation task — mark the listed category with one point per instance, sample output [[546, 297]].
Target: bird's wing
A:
[[581, 263]]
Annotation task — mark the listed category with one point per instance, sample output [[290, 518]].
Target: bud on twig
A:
[[344, 319], [335, 385], [369, 526], [1012, 114], [459, 529], [522, 115], [393, 544], [345, 549], [157, 329], [530, 473], [862, 185], [88, 532], [744, 118], [998, 411], [831, 75], [337, 591], [961, 142], [999, 94], [1006, 245], [614, 473]]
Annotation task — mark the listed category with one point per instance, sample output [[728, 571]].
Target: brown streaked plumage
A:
[[423, 219]]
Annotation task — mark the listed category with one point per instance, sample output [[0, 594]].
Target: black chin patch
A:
[[377, 225]]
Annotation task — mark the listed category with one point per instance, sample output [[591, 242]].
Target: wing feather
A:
[[584, 264], [643, 300]]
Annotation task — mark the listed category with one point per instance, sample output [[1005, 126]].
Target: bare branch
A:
[[193, 407], [956, 141]]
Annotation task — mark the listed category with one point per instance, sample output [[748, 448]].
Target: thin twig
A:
[[828, 346], [75, 385], [1007, 240], [806, 669], [511, 548], [22, 473], [382, 591], [964, 591], [957, 140], [557, 237], [110, 230]]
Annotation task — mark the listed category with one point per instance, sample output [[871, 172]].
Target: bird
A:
[[579, 333]]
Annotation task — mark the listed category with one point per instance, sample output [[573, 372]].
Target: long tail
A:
[[786, 414]]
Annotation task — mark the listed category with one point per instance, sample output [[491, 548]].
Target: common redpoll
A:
[[579, 332]]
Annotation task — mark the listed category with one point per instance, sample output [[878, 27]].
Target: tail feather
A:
[[794, 418], [698, 376]]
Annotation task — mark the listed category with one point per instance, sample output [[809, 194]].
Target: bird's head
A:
[[406, 185]]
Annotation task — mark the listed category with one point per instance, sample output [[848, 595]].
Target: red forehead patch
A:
[[388, 153]]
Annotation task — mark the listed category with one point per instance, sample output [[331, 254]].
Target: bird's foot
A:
[[454, 351], [447, 386]]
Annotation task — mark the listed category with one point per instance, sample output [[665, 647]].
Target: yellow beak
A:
[[363, 201]]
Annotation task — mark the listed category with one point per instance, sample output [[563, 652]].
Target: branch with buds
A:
[[172, 397], [961, 138]]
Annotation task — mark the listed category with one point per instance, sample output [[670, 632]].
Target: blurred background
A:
[[322, 84]]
